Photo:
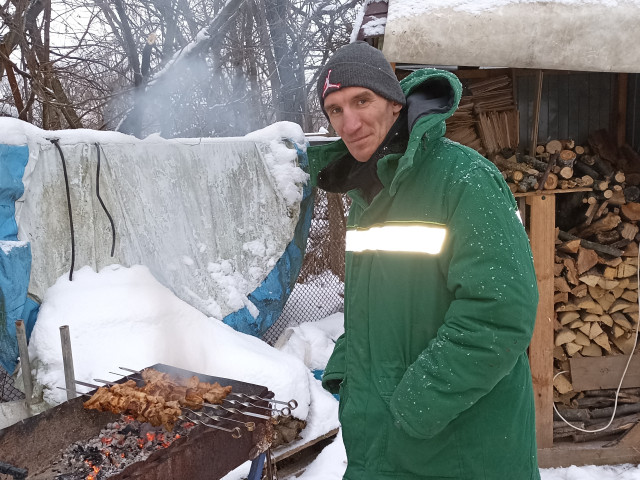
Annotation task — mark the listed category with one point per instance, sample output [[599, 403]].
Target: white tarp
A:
[[208, 217], [586, 35]]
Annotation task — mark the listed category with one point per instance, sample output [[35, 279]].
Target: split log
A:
[[614, 252], [605, 224]]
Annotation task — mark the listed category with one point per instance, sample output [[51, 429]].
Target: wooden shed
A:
[[552, 96]]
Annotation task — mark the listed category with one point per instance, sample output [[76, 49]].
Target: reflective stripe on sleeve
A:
[[415, 238]]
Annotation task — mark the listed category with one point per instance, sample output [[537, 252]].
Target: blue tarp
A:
[[274, 291], [15, 257]]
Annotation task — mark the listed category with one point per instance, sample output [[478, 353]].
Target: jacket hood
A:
[[432, 96]]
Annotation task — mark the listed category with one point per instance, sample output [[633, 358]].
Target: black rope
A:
[[113, 226], [66, 183]]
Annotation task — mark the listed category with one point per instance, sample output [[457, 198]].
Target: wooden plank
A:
[[286, 451], [538, 193], [536, 113], [580, 455], [631, 438], [542, 236], [600, 373]]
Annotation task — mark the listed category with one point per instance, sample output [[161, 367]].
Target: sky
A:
[[126, 314]]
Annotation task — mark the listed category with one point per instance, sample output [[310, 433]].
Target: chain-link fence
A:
[[8, 391], [319, 290]]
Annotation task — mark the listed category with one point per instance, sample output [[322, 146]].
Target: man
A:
[[440, 290]]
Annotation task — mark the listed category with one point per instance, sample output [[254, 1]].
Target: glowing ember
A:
[[151, 436]]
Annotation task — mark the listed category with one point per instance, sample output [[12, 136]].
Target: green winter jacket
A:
[[432, 370]]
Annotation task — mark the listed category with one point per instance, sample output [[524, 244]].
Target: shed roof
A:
[[588, 35]]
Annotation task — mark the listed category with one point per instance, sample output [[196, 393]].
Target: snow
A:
[[374, 27], [7, 245], [409, 8]]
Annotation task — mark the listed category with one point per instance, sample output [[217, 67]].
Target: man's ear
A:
[[396, 107]]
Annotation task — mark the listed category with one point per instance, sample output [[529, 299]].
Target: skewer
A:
[[90, 385], [291, 404], [235, 431], [74, 391], [235, 410], [250, 426], [284, 411], [211, 405]]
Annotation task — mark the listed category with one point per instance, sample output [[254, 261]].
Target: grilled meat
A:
[[158, 402], [128, 398]]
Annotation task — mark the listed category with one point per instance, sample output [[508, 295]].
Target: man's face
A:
[[362, 118]]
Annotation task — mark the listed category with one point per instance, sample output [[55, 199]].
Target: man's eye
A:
[[334, 111], [362, 101]]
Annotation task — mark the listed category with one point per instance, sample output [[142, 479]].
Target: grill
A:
[[217, 441]]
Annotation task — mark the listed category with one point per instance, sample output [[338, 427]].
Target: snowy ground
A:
[[124, 317]]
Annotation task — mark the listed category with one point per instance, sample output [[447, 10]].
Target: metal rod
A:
[[90, 385], [292, 404], [235, 410], [250, 426], [75, 391], [284, 411], [25, 364], [67, 361], [235, 431]]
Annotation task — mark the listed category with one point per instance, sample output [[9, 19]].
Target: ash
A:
[[117, 446]]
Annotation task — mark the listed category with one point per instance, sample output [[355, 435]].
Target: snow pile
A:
[[313, 342], [124, 317]]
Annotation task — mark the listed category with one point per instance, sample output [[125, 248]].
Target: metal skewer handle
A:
[[235, 431], [284, 411], [250, 426]]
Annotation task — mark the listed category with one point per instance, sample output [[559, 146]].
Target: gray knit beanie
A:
[[359, 64]]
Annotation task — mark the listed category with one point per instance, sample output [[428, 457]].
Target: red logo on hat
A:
[[328, 85]]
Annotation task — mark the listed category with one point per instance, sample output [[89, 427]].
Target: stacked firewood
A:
[[596, 295], [596, 284], [487, 117], [592, 410]]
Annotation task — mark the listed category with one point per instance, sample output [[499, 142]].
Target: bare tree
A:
[[221, 67]]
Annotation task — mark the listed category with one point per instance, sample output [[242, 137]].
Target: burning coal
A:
[[117, 446]]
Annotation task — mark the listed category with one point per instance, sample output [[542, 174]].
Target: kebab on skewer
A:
[[160, 400]]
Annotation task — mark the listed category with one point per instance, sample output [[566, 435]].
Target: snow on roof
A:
[[581, 35], [408, 8], [370, 20]]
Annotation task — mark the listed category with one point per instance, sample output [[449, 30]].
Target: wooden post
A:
[[67, 361], [536, 114], [25, 364], [542, 236]]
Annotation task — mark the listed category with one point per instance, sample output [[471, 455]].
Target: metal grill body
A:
[[35, 444]]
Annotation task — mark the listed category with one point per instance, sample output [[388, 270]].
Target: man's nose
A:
[[352, 121]]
